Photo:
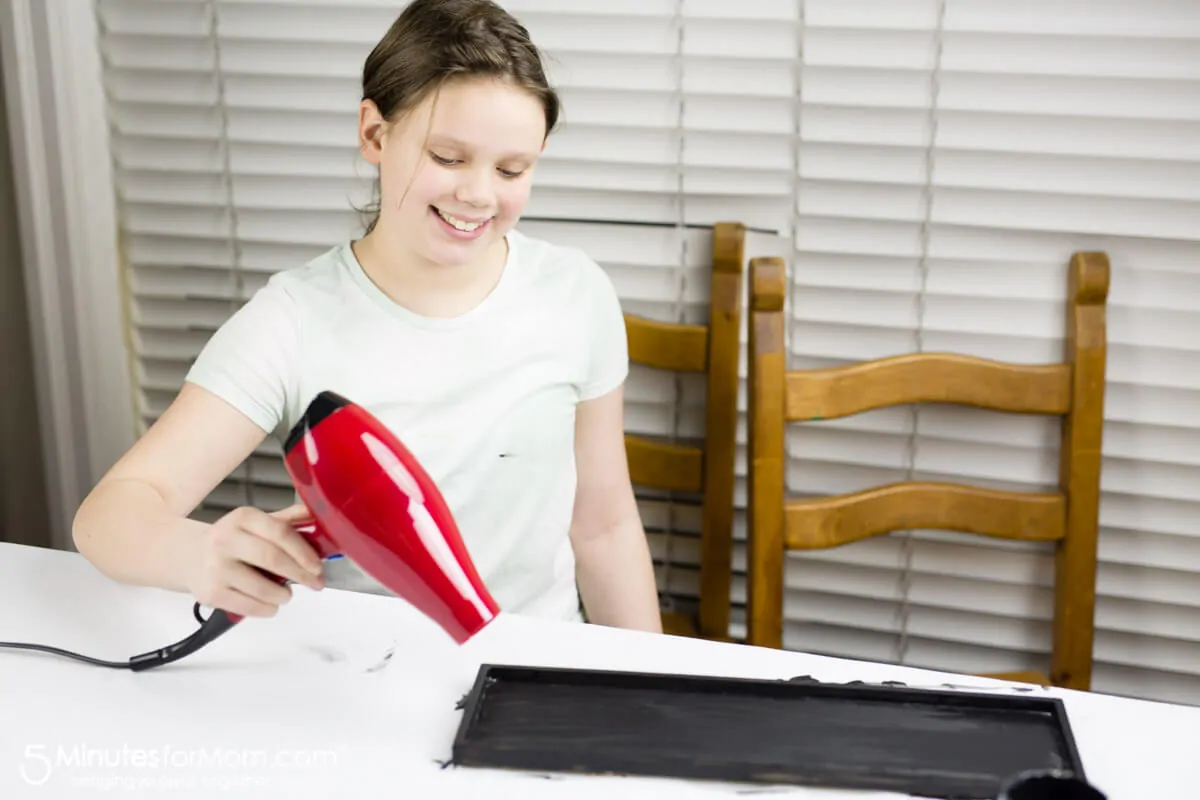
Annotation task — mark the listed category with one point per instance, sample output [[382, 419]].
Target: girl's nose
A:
[[476, 189]]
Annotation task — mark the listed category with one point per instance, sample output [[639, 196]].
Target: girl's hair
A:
[[433, 42]]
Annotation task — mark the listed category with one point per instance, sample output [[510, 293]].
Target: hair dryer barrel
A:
[[371, 499]]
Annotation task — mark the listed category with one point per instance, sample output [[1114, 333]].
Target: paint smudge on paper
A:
[[387, 657], [327, 654]]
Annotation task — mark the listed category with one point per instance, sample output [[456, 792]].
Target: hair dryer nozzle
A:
[[375, 503]]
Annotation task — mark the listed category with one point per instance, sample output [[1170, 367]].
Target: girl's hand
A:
[[227, 570]]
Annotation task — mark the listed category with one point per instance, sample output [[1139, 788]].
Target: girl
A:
[[498, 359]]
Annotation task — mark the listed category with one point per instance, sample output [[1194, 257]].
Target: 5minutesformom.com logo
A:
[[42, 762]]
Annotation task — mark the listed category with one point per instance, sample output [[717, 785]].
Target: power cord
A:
[[45, 648], [210, 628]]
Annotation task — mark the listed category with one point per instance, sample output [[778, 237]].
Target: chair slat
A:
[[659, 465], [928, 378], [832, 521], [666, 345]]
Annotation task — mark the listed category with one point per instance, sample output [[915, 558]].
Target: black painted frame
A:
[[578, 753]]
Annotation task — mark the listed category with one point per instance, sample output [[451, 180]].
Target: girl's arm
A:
[[613, 566], [133, 526]]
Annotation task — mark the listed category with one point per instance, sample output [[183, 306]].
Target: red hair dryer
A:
[[375, 504], [371, 502]]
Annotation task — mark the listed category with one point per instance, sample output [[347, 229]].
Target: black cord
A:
[[211, 627], [58, 651]]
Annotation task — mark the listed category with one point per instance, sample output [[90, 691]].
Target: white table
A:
[[297, 705]]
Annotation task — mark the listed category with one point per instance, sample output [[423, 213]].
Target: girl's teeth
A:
[[465, 227]]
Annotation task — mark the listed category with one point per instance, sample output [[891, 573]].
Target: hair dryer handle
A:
[[228, 619], [320, 541]]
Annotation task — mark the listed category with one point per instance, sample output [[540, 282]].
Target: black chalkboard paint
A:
[[885, 737]]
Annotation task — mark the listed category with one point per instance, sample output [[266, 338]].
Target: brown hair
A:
[[436, 41]]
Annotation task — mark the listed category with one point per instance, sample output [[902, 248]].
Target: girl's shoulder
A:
[[322, 284], [325, 271], [557, 266]]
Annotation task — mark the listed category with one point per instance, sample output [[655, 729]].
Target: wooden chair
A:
[[712, 349], [1073, 389]]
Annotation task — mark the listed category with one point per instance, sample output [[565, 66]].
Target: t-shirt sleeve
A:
[[250, 362], [608, 357]]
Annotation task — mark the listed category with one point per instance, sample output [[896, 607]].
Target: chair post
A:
[[1080, 463], [720, 456], [767, 457]]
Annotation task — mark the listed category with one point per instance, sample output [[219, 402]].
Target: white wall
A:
[[54, 97]]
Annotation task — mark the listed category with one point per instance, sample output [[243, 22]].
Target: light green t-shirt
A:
[[485, 401]]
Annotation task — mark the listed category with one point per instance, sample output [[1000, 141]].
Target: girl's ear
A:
[[371, 126]]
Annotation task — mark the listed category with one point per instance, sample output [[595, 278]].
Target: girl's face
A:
[[455, 172]]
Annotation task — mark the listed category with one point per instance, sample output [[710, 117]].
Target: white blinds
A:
[[1044, 127]]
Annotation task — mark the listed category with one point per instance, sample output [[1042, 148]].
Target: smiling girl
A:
[[498, 359]]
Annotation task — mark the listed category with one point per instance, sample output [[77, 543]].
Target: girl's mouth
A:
[[460, 228]]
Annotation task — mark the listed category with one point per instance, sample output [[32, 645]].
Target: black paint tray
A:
[[922, 742]]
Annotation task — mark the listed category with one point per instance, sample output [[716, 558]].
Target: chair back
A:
[[708, 470], [1072, 389]]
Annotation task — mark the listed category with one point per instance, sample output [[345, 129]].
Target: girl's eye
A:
[[449, 162]]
